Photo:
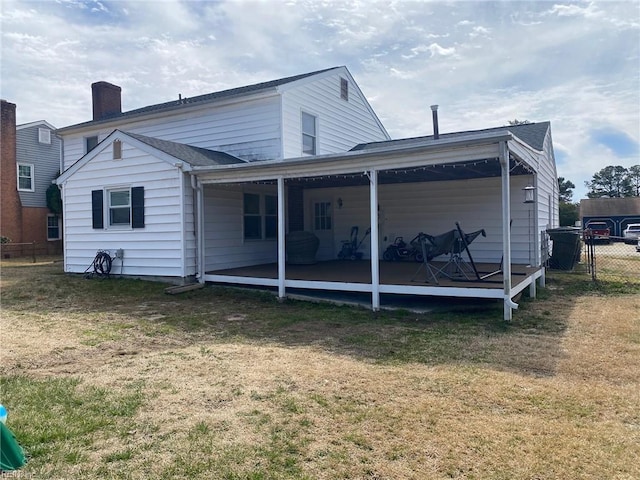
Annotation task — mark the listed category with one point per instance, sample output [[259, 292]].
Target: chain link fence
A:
[[613, 260], [566, 249]]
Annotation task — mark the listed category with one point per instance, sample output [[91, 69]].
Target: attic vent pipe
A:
[[434, 113]]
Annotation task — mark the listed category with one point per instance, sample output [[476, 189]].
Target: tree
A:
[[54, 199], [634, 178], [568, 214], [565, 189], [519, 122], [612, 182]]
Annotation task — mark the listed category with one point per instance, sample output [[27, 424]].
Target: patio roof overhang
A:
[[473, 156]]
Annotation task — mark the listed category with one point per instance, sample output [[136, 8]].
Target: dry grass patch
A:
[[219, 383]]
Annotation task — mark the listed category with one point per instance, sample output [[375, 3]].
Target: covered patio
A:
[[499, 158], [401, 278]]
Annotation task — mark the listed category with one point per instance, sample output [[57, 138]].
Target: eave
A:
[[459, 151]]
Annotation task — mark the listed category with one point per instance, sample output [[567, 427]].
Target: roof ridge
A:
[[521, 127], [226, 93]]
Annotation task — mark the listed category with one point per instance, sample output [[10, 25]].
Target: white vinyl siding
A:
[[155, 250], [342, 124], [249, 130]]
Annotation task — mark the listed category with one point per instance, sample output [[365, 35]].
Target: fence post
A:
[[34, 251]]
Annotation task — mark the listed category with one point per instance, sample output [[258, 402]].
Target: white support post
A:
[[183, 235], [537, 257], [200, 230], [509, 305], [281, 239], [536, 223], [375, 250]]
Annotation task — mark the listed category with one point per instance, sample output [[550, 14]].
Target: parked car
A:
[[597, 232], [638, 246], [632, 233]]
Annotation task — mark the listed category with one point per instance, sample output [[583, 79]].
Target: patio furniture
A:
[[301, 248], [454, 243]]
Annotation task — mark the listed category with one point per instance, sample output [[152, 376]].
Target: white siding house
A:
[[222, 178], [260, 122]]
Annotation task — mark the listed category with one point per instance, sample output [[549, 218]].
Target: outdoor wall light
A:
[[340, 202], [529, 194]]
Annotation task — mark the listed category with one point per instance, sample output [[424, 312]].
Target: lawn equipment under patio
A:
[[350, 248]]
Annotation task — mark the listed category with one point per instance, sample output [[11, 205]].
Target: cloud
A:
[[484, 63], [589, 11], [619, 143]]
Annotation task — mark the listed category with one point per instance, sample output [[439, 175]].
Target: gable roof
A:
[[609, 207], [33, 124], [533, 134], [170, 152], [194, 156], [208, 97]]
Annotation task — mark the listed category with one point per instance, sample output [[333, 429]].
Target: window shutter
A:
[[97, 208], [137, 207]]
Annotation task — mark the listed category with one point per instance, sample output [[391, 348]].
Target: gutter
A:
[[376, 152]]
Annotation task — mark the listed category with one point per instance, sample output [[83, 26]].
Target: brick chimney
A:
[[10, 205], [106, 100]]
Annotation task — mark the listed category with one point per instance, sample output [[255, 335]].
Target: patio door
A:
[[321, 224]]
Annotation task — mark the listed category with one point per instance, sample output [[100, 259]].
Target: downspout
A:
[[281, 239], [61, 153], [65, 257], [509, 305], [183, 234], [375, 264], [198, 212]]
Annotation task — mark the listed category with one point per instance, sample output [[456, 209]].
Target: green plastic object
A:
[[11, 454]]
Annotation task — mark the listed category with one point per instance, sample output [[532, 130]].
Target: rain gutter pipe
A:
[[509, 305]]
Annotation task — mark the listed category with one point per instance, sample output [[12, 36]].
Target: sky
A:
[[485, 63]]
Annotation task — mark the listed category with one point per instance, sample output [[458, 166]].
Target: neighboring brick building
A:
[[30, 162]]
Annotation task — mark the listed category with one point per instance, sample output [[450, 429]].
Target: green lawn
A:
[[115, 379]]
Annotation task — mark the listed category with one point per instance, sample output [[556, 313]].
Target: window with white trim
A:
[[260, 214], [309, 134], [44, 135], [90, 143], [25, 177], [322, 216], [119, 205], [53, 227]]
